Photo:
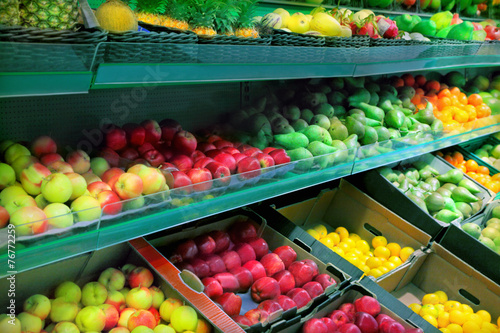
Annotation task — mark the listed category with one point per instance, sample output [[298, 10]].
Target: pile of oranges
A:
[[452, 316], [479, 173]]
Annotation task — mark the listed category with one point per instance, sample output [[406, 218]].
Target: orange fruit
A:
[[343, 233], [443, 297], [395, 260], [450, 159], [492, 185], [475, 99], [483, 110], [485, 315], [496, 176], [444, 93], [483, 170], [462, 98], [431, 320], [471, 165], [405, 253], [442, 102], [373, 262], [443, 319], [395, 248], [462, 168], [363, 246], [470, 327], [451, 305], [455, 328], [455, 91], [459, 158], [432, 85], [420, 80], [379, 241], [408, 79], [457, 317]]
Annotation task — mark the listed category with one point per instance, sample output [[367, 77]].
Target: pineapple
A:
[[245, 26], [149, 11], [9, 12], [54, 14], [176, 15], [226, 17], [202, 18]]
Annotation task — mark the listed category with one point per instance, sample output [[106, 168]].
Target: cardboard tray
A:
[[348, 207], [470, 249], [389, 305], [165, 242], [88, 266], [382, 190], [444, 271]]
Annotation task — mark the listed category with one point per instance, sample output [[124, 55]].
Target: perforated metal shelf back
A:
[[69, 118]]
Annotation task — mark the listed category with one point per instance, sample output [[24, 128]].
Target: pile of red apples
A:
[[361, 316], [120, 301], [239, 260]]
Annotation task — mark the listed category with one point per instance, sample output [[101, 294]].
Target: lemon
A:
[[405, 253], [339, 251], [383, 269], [443, 319], [488, 327], [344, 246], [395, 248], [445, 330], [382, 252], [321, 230], [430, 299], [389, 265], [313, 233], [485, 315], [375, 272], [466, 308], [428, 309], [442, 296], [356, 252], [327, 241], [343, 233], [455, 328], [350, 242], [451, 305], [395, 260], [364, 268], [363, 245], [373, 262], [379, 241], [475, 318], [334, 236], [457, 317], [415, 307], [432, 320], [470, 327], [439, 307], [354, 237]]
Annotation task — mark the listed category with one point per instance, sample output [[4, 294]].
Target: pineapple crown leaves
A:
[[178, 9], [226, 16], [149, 6], [202, 13], [247, 10]]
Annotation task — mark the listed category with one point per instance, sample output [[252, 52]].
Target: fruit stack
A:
[[240, 273]]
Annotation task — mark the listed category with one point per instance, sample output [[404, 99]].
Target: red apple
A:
[[366, 323], [299, 296], [301, 272], [256, 269], [252, 151], [196, 155], [221, 239], [182, 180], [314, 325], [242, 320], [202, 162], [110, 156], [201, 179], [155, 314], [205, 146], [260, 247], [145, 147], [231, 259], [219, 144], [185, 265], [348, 328], [220, 173], [339, 317], [211, 138], [4, 217], [257, 316], [230, 303], [265, 288], [280, 156], [216, 264], [230, 150], [391, 327], [128, 186], [329, 324], [154, 157], [285, 280], [110, 202], [49, 158], [166, 169], [272, 263], [140, 277], [205, 244], [226, 159], [238, 157], [243, 232], [110, 174], [201, 268], [287, 254], [184, 142], [270, 306], [325, 280], [265, 160], [182, 162], [168, 129], [228, 282], [167, 152], [43, 145], [79, 161], [267, 150], [286, 302], [116, 139], [249, 167], [153, 131], [367, 304], [380, 318], [245, 252], [136, 134], [112, 316], [313, 265], [60, 167], [244, 277], [141, 318], [212, 287], [313, 288], [349, 310], [187, 250], [129, 153], [212, 153]]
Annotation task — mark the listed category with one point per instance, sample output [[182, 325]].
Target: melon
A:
[[271, 20], [116, 17]]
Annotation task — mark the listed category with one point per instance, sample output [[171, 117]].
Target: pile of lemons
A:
[[375, 260], [452, 316]]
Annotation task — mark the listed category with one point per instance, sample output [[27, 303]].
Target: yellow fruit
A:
[[454, 328], [457, 317], [428, 309], [498, 321], [344, 246], [373, 262], [389, 265], [349, 242], [475, 318], [343, 233], [375, 272], [465, 308], [451, 305], [364, 268], [470, 327], [379, 241], [488, 327], [354, 237], [327, 241], [430, 299], [116, 17], [285, 16], [394, 248], [325, 24], [443, 319], [405, 253], [485, 315], [313, 233], [382, 252], [363, 246], [335, 237], [445, 330], [415, 307], [298, 23], [442, 296], [339, 251], [432, 320], [383, 269], [321, 230], [352, 258], [357, 252], [439, 307], [395, 260]]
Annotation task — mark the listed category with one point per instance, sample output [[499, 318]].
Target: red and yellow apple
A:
[[78, 184], [37, 305], [43, 145], [62, 309], [32, 176], [87, 208], [79, 161], [90, 318], [29, 220]]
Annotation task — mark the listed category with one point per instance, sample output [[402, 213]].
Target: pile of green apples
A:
[[489, 232], [490, 154], [446, 197]]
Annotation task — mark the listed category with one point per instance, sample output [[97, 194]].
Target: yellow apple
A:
[[298, 23]]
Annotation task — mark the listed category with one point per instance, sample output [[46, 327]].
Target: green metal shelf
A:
[[110, 232]]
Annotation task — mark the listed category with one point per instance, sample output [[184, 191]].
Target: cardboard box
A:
[[165, 242], [88, 266], [444, 271], [348, 207], [389, 306], [470, 249], [382, 190]]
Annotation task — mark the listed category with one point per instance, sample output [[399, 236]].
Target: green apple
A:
[[21, 163], [19, 202], [57, 188], [29, 322], [494, 224], [112, 279], [94, 293], [120, 330], [163, 329], [14, 151], [168, 306], [490, 232], [10, 193], [69, 290], [59, 215], [7, 176], [4, 145], [472, 229], [184, 318], [98, 165], [78, 183], [133, 203], [63, 310], [124, 292], [29, 220], [495, 212], [65, 327], [142, 329], [37, 305], [90, 318], [497, 241], [41, 202], [139, 298], [87, 208], [488, 242], [32, 177], [9, 324], [158, 296]]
